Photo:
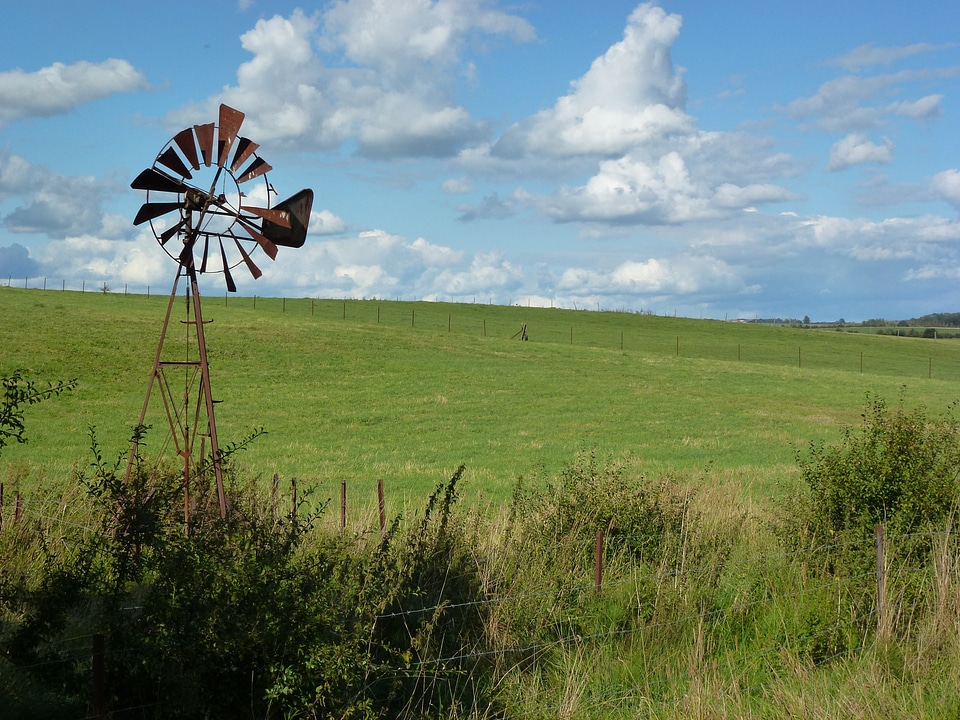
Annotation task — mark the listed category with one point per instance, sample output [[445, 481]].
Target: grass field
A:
[[359, 390]]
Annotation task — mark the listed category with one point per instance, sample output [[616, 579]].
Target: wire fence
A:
[[935, 357], [659, 692]]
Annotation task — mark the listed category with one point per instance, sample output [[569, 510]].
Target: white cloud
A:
[[947, 185], [401, 39], [488, 273], [856, 149], [385, 81], [687, 274], [867, 55], [59, 88], [456, 186], [325, 222], [50, 203], [630, 96], [632, 191], [840, 105]]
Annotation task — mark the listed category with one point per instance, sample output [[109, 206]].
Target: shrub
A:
[[899, 468]]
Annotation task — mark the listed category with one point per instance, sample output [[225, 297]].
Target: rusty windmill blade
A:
[[251, 266], [150, 211], [205, 141], [154, 180], [228, 127], [274, 215], [165, 236], [266, 243], [171, 160], [227, 277], [257, 168], [188, 146], [245, 148]]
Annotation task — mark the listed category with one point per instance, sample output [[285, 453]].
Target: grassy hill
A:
[[406, 391]]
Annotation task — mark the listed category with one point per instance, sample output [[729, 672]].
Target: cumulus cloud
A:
[[630, 190], [16, 262], [325, 222], [49, 203], [383, 82], [630, 95], [59, 88], [946, 184], [856, 149]]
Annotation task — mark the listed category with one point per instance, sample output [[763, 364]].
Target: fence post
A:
[[383, 510], [598, 562], [98, 698], [883, 625], [343, 504], [293, 499], [275, 496]]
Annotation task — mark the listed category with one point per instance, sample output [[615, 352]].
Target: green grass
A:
[[359, 390]]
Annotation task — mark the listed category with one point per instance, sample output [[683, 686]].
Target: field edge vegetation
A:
[[705, 608]]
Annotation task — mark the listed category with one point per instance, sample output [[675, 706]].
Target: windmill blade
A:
[[266, 243], [274, 215], [170, 232], [245, 148], [154, 180], [231, 285], [205, 141], [251, 266], [206, 247], [229, 126], [170, 159], [188, 146], [297, 208], [149, 211], [186, 255], [257, 167]]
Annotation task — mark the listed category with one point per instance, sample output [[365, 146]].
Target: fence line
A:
[[614, 338], [536, 650]]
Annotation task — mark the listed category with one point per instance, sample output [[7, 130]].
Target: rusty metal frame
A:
[[181, 409]]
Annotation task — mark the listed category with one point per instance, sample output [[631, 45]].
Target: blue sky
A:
[[721, 160]]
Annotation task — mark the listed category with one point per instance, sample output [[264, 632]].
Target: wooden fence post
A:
[[293, 499], [883, 624], [383, 509], [598, 562], [275, 496]]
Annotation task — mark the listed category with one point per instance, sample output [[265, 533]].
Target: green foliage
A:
[[17, 393], [900, 468], [255, 613]]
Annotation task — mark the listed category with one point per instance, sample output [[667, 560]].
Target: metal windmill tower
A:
[[208, 203]]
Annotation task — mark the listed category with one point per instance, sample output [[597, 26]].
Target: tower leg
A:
[[178, 409]]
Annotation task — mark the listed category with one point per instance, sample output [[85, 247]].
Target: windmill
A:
[[208, 204]]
